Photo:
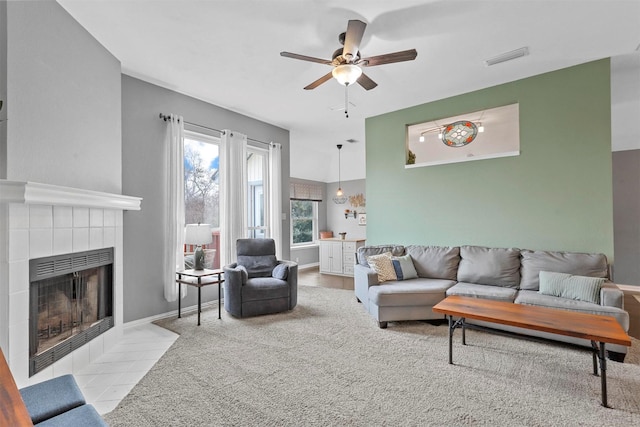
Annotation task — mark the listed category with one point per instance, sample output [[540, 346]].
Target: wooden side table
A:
[[200, 278]]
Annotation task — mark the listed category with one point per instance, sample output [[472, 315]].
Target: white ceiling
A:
[[227, 52]]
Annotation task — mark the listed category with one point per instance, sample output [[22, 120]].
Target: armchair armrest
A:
[[235, 275], [292, 279]]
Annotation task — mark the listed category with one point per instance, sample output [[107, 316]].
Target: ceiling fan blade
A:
[[352, 39], [366, 82], [305, 58], [389, 58], [318, 82]]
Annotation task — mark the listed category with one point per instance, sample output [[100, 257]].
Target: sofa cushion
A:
[[85, 416], [435, 262], [51, 397], [565, 285], [474, 290], [581, 264], [365, 251], [403, 266], [490, 266], [382, 265], [416, 292], [538, 299]]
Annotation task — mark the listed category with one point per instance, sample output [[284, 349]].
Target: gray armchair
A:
[[258, 283]]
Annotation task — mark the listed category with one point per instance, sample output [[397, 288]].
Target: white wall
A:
[[63, 101]]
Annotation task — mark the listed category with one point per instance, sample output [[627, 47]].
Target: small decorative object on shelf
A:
[[357, 201], [349, 212], [343, 235]]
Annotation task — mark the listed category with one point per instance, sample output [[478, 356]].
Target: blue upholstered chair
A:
[[258, 283], [59, 402]]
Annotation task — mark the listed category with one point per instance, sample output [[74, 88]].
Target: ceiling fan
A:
[[347, 61]]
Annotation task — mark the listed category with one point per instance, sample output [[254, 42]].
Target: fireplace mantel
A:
[[47, 194]]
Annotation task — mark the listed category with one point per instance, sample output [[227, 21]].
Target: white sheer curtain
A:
[[275, 195], [233, 193], [174, 214]]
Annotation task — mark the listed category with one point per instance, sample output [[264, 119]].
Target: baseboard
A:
[[172, 313], [308, 266]]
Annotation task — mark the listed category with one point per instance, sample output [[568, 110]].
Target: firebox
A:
[[71, 302]]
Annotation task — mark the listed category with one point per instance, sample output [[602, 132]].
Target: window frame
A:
[[266, 197], [314, 222], [203, 138]]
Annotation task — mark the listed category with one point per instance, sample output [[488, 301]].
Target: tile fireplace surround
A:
[[39, 220]]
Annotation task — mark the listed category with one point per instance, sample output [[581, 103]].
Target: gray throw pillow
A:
[[403, 265], [281, 271], [568, 286]]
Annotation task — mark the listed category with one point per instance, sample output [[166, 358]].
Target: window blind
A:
[[305, 191]]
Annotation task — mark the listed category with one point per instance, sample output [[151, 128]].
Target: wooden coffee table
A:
[[593, 327]]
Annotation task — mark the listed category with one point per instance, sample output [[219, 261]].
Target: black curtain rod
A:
[[165, 117]]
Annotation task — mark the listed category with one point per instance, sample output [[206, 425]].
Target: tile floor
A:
[[106, 381]]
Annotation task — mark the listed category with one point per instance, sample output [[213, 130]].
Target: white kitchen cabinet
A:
[[337, 256]]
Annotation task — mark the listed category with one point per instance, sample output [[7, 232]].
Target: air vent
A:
[[43, 268], [507, 56]]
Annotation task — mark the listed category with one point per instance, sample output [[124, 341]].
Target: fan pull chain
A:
[[346, 100]]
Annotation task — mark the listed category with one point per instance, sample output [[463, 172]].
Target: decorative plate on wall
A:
[[459, 134]]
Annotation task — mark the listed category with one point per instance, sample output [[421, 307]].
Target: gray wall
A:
[[626, 216], [336, 221], [3, 89], [63, 101], [143, 175], [62, 109]]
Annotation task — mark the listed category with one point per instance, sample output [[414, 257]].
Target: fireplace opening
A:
[[71, 302]]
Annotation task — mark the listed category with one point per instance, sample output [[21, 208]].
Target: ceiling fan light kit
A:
[[347, 74]]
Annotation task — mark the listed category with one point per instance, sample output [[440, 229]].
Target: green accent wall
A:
[[556, 195]]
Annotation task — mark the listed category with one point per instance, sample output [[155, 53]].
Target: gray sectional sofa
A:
[[505, 274]]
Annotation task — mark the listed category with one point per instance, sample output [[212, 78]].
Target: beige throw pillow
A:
[[383, 266]]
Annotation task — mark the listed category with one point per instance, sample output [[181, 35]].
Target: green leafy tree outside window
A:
[[302, 221]]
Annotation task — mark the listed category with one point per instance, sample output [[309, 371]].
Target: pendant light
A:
[[340, 198]]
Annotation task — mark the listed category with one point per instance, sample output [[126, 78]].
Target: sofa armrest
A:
[[611, 296], [363, 279], [365, 276]]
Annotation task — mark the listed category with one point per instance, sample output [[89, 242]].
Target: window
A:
[[201, 183], [256, 179], [304, 220]]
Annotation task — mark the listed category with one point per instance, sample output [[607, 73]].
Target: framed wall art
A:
[[478, 135]]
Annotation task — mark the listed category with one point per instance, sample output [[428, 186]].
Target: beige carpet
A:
[[327, 363]]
